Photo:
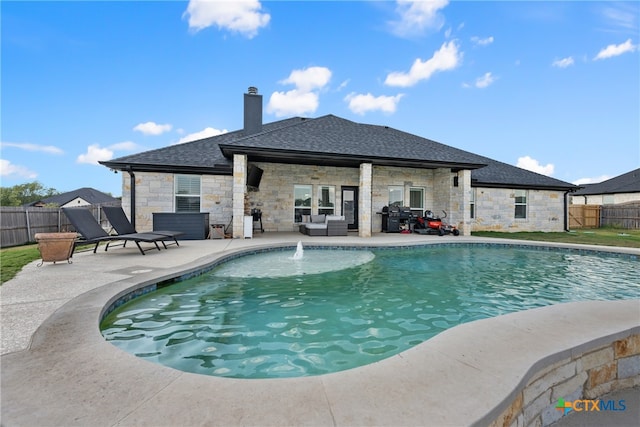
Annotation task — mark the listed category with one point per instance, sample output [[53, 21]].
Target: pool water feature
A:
[[316, 321]]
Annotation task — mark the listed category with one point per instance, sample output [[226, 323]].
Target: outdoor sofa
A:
[[325, 225]]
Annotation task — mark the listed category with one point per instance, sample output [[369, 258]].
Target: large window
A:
[[302, 203], [521, 203], [326, 199], [396, 195], [187, 193], [416, 200]]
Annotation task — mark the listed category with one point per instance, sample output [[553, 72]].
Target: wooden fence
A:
[[623, 215], [584, 216], [19, 225]]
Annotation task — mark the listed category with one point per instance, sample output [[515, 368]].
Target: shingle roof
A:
[[203, 154], [625, 183], [91, 195], [331, 140]]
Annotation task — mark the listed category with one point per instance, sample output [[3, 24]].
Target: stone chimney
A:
[[252, 111]]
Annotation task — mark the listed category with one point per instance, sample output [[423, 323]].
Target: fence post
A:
[[26, 212]]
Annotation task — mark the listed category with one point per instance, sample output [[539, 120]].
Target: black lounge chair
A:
[[119, 221], [91, 231]]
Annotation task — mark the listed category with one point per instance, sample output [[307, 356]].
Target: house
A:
[[292, 168], [81, 197], [620, 189]]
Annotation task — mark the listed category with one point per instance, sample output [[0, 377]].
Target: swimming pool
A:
[[313, 323]]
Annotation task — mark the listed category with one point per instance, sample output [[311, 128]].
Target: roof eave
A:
[[475, 183], [183, 169], [330, 159]]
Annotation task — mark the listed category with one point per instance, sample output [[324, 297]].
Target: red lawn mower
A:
[[430, 224]]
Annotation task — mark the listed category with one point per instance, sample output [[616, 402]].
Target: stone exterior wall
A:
[[275, 195], [585, 376], [598, 199], [495, 210], [154, 193]]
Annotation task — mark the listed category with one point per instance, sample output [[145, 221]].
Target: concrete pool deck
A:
[[57, 370]]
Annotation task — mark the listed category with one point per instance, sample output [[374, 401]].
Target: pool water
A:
[[361, 307]]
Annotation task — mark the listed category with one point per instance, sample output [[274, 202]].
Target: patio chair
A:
[[92, 232], [122, 225]]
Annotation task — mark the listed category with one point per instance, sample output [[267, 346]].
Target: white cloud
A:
[[152, 128], [416, 16], [343, 85], [594, 180], [446, 58], [205, 133], [482, 42], [242, 16], [95, 153], [360, 104], [563, 63], [621, 15], [616, 50], [7, 169], [533, 165], [293, 102], [308, 79], [486, 80], [49, 149], [304, 98]]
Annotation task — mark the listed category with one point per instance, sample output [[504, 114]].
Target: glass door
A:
[[350, 206]]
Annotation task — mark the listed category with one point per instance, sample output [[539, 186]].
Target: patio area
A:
[[58, 370]]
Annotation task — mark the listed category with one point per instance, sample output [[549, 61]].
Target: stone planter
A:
[[55, 247]]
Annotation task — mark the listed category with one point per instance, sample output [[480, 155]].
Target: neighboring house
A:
[[301, 166], [620, 189], [80, 197]]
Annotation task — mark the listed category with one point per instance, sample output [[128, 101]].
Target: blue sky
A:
[[552, 87]]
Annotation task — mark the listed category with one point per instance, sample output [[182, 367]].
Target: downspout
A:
[[132, 183], [566, 210]]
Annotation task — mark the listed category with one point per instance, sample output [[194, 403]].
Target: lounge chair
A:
[[91, 231], [119, 221]]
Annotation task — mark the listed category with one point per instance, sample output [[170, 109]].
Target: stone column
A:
[[464, 183], [365, 200], [239, 191]]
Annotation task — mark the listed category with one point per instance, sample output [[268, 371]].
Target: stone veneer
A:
[[587, 375], [495, 209], [154, 193]]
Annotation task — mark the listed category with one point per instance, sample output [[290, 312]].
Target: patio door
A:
[[350, 206]]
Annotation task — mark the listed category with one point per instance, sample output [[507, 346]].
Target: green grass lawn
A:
[[600, 236], [13, 259]]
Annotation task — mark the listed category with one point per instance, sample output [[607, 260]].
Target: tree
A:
[[22, 194]]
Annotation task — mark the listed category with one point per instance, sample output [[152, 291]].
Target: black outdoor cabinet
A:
[[194, 225]]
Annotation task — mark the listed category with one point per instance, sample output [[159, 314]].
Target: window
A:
[[301, 202], [521, 203], [416, 200], [326, 199], [187, 193], [472, 204], [396, 195]]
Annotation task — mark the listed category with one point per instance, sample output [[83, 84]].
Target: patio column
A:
[[364, 200], [239, 191], [462, 203]]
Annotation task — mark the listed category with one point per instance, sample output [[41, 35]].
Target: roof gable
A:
[[625, 183], [90, 195]]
